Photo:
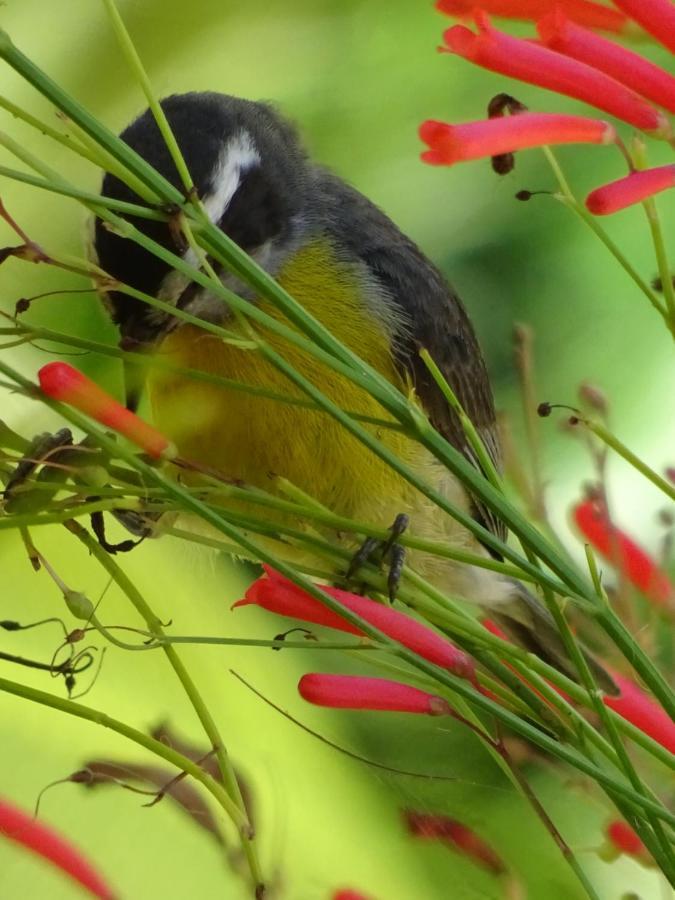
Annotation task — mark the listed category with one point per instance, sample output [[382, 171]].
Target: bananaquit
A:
[[349, 266]]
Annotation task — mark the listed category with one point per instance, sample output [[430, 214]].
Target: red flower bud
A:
[[281, 596], [456, 835], [638, 708], [357, 692], [592, 15], [656, 16], [62, 382], [634, 188], [623, 838], [560, 34], [490, 137], [623, 553], [47, 843], [534, 64]]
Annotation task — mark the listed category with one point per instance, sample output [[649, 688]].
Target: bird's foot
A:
[[378, 551]]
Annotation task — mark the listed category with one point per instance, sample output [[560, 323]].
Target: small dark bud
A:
[[77, 634], [594, 397], [573, 420], [22, 305], [9, 625], [524, 195], [503, 163], [666, 518], [544, 410], [502, 103]]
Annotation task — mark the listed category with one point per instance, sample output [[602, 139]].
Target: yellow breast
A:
[[249, 437]]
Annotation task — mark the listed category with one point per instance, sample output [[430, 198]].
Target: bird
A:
[[354, 270]]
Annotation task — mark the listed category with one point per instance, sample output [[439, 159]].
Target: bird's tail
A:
[[532, 626]]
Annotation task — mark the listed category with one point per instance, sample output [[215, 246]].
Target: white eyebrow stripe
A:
[[237, 156]]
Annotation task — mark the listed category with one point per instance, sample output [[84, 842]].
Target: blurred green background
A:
[[358, 77]]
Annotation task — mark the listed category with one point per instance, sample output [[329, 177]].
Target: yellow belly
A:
[[250, 437]]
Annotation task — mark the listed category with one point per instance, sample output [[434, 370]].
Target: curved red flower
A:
[[656, 16], [535, 64], [638, 708], [63, 382], [449, 144], [587, 13], [650, 81], [359, 692], [17, 826], [456, 835], [278, 594], [632, 189], [623, 552]]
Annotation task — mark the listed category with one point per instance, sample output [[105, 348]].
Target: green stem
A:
[[154, 626], [589, 220]]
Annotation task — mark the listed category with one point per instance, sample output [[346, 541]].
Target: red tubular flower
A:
[[45, 842], [281, 596], [490, 137], [623, 838], [62, 382], [634, 188], [456, 835], [560, 34], [623, 553], [357, 692], [534, 64], [636, 707], [583, 11], [656, 16]]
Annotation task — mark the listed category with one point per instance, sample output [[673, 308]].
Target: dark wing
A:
[[431, 316]]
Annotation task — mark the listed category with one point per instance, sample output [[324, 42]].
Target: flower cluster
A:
[[568, 57]]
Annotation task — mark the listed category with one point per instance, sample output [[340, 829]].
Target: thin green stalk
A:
[[138, 69], [589, 220], [476, 442], [158, 748], [155, 627], [622, 450], [121, 206], [665, 272]]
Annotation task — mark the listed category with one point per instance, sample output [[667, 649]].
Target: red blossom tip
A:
[[638, 708], [357, 692], [17, 826], [278, 594], [623, 838], [623, 553], [564, 36], [456, 835], [492, 137], [634, 188], [585, 12], [655, 16], [63, 382], [533, 63]]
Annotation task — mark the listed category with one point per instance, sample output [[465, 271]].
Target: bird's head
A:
[[250, 173]]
